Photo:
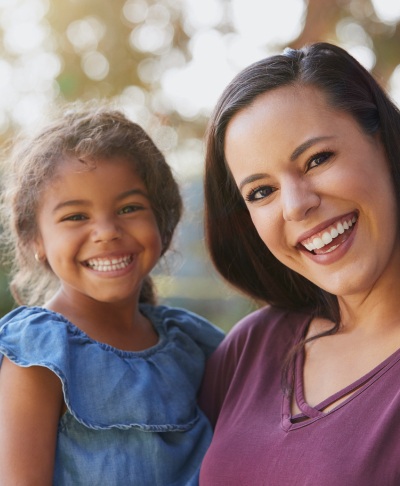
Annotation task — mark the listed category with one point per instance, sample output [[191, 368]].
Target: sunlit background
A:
[[164, 63]]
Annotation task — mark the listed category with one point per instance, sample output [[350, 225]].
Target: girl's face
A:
[[98, 231], [318, 190]]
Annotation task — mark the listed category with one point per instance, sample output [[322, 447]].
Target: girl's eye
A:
[[259, 193], [318, 159], [75, 217], [131, 208]]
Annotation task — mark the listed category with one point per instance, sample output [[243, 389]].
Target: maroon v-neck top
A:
[[258, 442]]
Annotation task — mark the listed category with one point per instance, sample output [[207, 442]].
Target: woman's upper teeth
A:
[[318, 242]]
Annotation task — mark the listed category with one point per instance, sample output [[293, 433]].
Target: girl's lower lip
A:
[[336, 254]]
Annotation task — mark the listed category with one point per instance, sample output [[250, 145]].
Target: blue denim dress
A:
[[132, 417]]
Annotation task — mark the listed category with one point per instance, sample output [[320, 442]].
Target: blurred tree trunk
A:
[[321, 20]]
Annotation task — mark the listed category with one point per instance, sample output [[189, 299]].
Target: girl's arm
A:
[[30, 407]]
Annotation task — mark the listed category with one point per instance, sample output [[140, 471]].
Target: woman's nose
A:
[[298, 199], [106, 230]]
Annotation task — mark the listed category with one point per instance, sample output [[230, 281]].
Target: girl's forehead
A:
[[76, 175]]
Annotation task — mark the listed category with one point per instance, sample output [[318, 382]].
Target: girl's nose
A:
[[298, 199], [106, 230]]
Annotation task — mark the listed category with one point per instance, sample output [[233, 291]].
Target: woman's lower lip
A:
[[334, 254]]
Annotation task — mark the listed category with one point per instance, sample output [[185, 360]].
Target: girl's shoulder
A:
[[182, 324], [24, 315], [29, 332], [33, 332]]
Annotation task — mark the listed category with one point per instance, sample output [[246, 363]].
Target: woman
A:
[[302, 195]]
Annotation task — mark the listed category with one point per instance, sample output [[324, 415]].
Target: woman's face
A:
[[318, 189]]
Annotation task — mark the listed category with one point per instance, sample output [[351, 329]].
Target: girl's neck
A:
[[120, 325]]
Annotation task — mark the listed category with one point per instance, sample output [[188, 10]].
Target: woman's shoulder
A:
[[266, 324], [258, 341]]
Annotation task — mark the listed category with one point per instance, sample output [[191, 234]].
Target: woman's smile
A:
[[330, 238]]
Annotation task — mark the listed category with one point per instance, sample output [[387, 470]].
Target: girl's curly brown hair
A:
[[87, 134]]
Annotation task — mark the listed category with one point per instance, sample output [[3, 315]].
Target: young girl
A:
[[97, 384]]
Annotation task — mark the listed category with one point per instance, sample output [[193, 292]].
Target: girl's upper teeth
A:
[[107, 264], [318, 242]]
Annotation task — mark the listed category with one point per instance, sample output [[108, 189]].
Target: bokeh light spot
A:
[[95, 65]]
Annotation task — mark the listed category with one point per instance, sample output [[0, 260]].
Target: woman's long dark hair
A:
[[234, 244]]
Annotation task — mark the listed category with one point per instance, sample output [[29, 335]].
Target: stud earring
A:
[[37, 257]]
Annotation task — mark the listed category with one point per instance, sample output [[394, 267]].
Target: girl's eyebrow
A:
[[133, 192], [81, 202], [294, 155], [72, 202]]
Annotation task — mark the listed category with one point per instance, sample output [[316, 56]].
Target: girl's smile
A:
[[304, 171], [109, 264]]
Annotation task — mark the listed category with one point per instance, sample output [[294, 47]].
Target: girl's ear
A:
[[39, 251]]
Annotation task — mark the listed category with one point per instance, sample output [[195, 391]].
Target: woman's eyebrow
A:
[[306, 145], [251, 178]]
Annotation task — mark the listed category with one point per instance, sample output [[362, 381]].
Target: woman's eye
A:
[[318, 159], [259, 193]]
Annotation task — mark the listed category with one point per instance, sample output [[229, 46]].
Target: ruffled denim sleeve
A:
[[104, 387]]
